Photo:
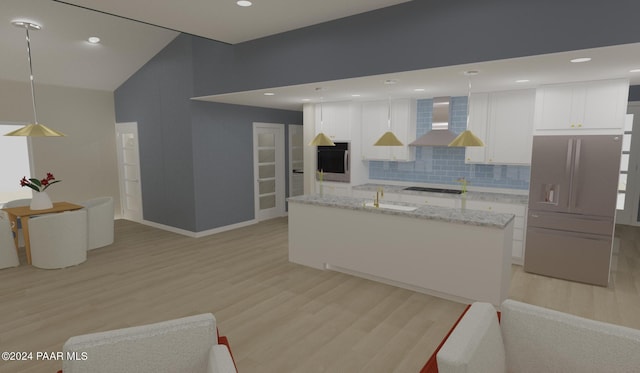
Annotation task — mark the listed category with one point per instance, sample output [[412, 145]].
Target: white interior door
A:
[[268, 170], [129, 170], [629, 183], [296, 160]]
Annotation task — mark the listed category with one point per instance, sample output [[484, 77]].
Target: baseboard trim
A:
[[192, 234]]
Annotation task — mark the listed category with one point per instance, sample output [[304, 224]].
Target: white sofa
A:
[[185, 345], [534, 339]]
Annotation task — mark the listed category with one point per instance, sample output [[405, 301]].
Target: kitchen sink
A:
[[434, 190], [391, 207]]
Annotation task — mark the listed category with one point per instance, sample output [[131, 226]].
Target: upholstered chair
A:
[[58, 240], [100, 221], [8, 254]]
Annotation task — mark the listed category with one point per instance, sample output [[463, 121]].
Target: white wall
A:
[[85, 160]]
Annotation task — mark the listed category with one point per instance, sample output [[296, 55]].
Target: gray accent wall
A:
[[196, 158], [223, 159], [423, 34]]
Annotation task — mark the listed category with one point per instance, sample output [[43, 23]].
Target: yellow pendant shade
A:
[[466, 138], [321, 140], [35, 130], [388, 139]]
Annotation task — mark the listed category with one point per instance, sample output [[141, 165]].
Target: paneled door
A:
[[268, 170], [129, 170]]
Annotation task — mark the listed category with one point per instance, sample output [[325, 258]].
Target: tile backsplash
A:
[[443, 165]]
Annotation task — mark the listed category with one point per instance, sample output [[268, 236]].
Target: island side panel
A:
[[465, 261]]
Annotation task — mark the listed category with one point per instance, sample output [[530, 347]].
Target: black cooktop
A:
[[435, 190]]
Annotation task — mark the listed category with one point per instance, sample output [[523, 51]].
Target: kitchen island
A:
[[460, 255]]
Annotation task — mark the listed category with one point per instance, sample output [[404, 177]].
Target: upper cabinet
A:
[[597, 107], [335, 120], [504, 122], [375, 122]]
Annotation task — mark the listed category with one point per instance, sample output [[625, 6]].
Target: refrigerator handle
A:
[[568, 170], [575, 177]]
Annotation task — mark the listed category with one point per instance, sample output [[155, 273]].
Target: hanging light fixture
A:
[[321, 139], [388, 138], [33, 129], [467, 138]]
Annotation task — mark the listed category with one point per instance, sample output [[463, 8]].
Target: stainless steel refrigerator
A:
[[572, 205]]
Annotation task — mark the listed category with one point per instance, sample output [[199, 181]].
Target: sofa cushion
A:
[[542, 340], [475, 345], [180, 345]]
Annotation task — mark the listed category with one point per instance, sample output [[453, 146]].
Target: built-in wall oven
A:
[[333, 161]]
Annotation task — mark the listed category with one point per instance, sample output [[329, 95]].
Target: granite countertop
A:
[[470, 217], [478, 196]]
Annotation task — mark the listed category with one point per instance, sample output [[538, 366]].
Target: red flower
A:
[[39, 185]]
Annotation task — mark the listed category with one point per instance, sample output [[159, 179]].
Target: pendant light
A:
[[388, 138], [321, 139], [33, 129], [467, 138]]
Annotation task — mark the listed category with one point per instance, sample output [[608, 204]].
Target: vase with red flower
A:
[[40, 200]]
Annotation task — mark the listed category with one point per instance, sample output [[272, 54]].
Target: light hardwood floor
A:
[[279, 316]]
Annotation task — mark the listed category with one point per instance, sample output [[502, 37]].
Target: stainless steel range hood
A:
[[439, 134]]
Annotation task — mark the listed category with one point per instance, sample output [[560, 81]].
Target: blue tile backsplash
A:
[[442, 165]]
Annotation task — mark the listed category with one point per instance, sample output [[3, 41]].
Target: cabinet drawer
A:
[[518, 234], [428, 200], [518, 249], [518, 222], [517, 210]]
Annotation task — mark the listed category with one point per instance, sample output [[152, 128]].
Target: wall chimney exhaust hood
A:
[[439, 134]]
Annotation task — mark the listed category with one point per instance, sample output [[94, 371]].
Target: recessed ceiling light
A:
[[269, 94], [244, 3], [94, 40], [522, 81], [390, 81], [471, 72], [419, 90], [355, 95], [581, 59], [634, 71], [306, 99]]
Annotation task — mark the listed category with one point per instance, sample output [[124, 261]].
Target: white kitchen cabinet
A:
[[519, 223], [375, 122], [596, 107], [335, 120], [504, 122]]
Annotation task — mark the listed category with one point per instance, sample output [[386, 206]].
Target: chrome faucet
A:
[[379, 194]]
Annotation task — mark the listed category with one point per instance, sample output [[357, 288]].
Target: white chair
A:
[[185, 345], [58, 240], [19, 203], [100, 221], [8, 254], [536, 339]]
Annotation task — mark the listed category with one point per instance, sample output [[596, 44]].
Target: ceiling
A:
[[61, 55], [224, 21], [607, 63]]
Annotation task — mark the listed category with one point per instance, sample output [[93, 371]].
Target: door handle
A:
[[567, 170], [576, 176]]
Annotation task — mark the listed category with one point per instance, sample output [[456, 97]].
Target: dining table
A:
[[25, 212]]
